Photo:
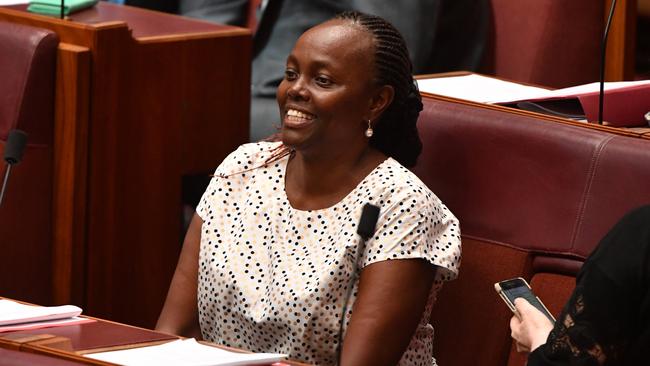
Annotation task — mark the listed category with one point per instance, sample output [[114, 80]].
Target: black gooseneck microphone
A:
[[368, 221], [365, 229], [14, 149], [601, 95], [62, 7]]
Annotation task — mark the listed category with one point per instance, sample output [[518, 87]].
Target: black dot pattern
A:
[[275, 279]]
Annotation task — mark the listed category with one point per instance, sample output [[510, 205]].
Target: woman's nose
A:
[[298, 90]]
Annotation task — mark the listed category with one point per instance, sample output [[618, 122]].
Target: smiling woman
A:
[[327, 94], [272, 261]]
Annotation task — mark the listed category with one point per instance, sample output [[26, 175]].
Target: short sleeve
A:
[[416, 225], [204, 205]]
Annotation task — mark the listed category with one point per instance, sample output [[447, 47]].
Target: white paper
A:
[[478, 88], [13, 2], [44, 324], [483, 89], [12, 312], [575, 91], [187, 352]]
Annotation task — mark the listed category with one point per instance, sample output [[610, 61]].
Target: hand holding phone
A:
[[513, 288]]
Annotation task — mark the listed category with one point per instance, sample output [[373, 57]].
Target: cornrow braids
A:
[[395, 133]]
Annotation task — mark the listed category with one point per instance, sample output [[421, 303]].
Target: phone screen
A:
[[517, 287]]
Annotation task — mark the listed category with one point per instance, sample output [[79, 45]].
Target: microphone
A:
[[14, 148], [368, 221], [365, 229], [601, 95], [62, 7]]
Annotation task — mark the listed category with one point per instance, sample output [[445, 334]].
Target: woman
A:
[[607, 319], [272, 260]]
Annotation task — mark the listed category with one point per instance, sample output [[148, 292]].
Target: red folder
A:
[[625, 103], [623, 107]]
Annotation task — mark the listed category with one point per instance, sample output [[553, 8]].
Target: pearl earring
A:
[[369, 131]]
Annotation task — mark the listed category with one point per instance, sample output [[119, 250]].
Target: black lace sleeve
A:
[[593, 327]]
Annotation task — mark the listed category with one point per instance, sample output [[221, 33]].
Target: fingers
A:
[[515, 330], [515, 322], [521, 303], [521, 347], [523, 307], [529, 313], [530, 328]]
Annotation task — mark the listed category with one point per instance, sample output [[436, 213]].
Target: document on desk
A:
[[186, 352], [478, 88], [12, 312], [485, 89], [581, 90]]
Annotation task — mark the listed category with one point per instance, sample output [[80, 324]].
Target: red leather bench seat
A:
[[533, 198]]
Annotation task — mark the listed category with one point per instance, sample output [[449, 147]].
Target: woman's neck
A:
[[316, 182]]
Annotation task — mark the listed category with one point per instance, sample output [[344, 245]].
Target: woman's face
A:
[[327, 92]]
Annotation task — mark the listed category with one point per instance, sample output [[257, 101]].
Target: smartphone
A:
[[513, 288]]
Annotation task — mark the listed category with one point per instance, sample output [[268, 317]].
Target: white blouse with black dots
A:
[[275, 279]]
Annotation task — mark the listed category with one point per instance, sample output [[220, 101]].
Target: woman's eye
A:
[[290, 75], [323, 81]]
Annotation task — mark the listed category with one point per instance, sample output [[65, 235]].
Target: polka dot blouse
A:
[[276, 279]]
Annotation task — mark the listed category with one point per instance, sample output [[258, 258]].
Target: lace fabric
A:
[[607, 319], [592, 328], [571, 339]]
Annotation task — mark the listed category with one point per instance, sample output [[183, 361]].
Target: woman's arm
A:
[[390, 303], [180, 314]]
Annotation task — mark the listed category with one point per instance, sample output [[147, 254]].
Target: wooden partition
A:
[[621, 44], [143, 99]]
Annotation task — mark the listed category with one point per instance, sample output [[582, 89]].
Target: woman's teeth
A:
[[299, 114]]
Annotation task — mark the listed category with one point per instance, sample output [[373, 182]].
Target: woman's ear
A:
[[382, 98]]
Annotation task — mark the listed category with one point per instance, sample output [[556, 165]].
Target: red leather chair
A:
[[533, 198], [27, 74], [555, 43]]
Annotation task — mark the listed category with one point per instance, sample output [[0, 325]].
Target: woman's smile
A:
[[294, 118]]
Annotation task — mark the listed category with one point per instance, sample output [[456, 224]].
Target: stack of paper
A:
[[16, 316], [184, 353], [625, 102], [479, 88]]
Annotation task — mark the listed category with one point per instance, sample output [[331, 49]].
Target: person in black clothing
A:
[[607, 318]]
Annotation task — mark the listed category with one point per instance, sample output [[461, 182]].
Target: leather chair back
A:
[[27, 74], [533, 198], [555, 43]]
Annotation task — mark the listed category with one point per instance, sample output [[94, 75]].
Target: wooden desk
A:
[[73, 341], [639, 132], [17, 358], [84, 337], [142, 99]]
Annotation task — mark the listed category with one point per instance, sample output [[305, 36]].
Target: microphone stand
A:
[[601, 95], [365, 229], [4, 183]]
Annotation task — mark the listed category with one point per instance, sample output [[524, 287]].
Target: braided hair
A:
[[395, 133]]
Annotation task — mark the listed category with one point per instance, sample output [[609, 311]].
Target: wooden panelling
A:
[[70, 169], [621, 40], [140, 104]]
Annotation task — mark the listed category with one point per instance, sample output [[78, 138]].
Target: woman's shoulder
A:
[[402, 180], [403, 185], [248, 156], [256, 151]]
